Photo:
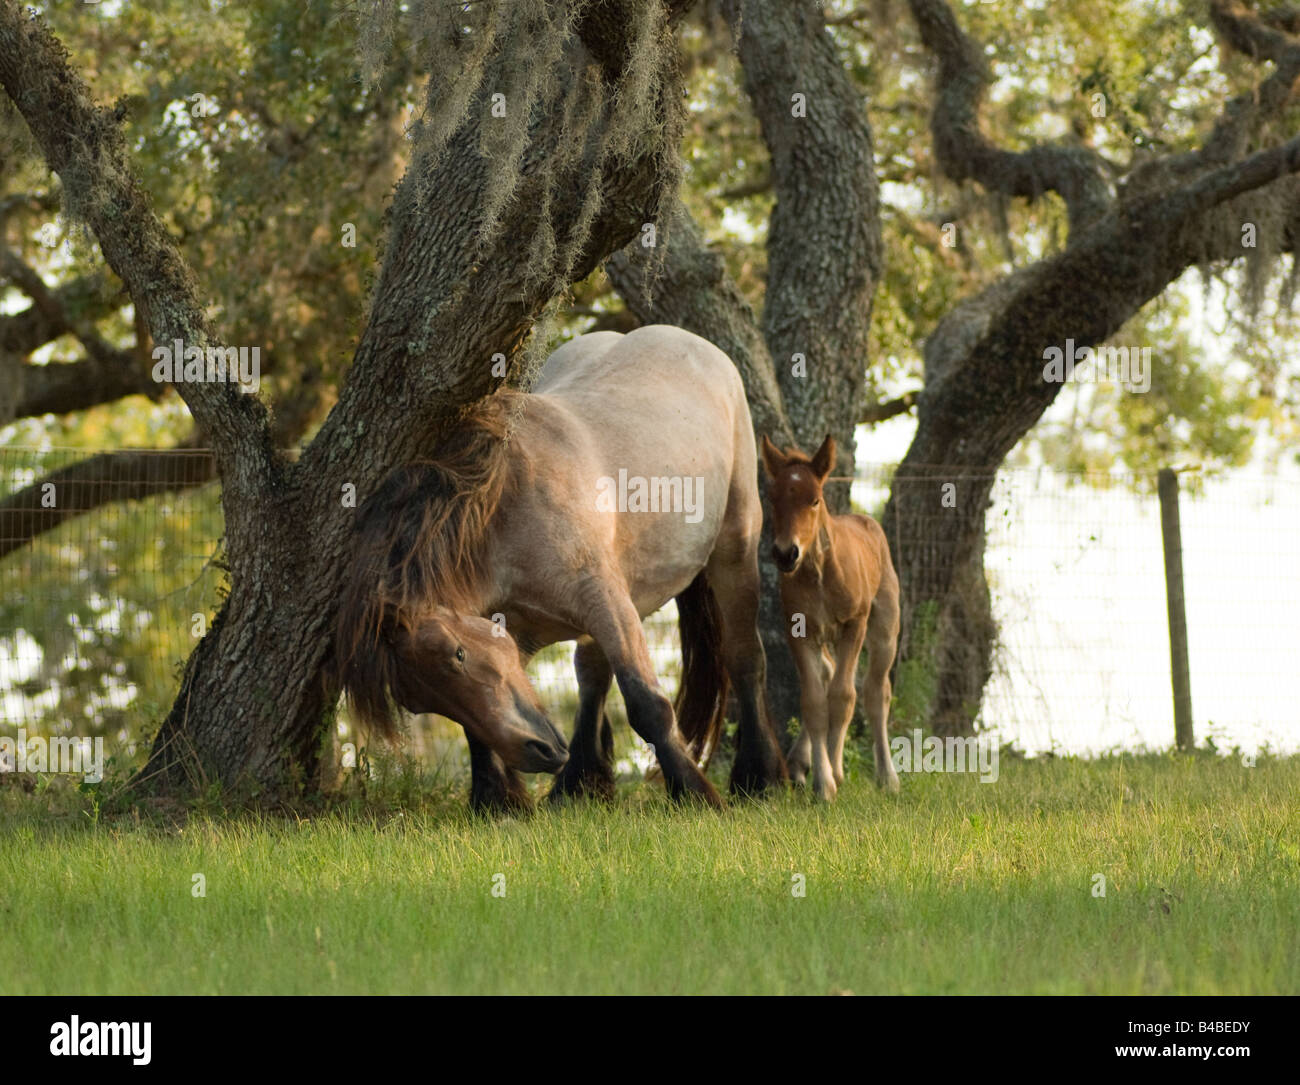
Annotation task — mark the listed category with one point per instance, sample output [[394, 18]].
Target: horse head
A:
[[795, 489], [469, 669]]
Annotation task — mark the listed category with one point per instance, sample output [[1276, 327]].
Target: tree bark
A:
[[259, 688], [825, 252]]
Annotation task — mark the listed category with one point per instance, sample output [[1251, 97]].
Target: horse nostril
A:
[[785, 559], [542, 749]]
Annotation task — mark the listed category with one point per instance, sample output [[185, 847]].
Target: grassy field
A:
[[954, 887]]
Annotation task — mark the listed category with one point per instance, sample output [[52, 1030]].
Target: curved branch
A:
[[1076, 174], [61, 387], [881, 412], [1264, 36], [30, 329]]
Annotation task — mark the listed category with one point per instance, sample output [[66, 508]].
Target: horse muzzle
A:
[[786, 560], [544, 748]]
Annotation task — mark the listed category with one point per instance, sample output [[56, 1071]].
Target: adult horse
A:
[[627, 478]]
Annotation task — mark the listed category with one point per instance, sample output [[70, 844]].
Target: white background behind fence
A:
[[1077, 579]]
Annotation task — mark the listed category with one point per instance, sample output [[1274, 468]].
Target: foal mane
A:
[[419, 542]]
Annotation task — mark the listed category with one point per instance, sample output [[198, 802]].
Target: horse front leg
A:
[[800, 756], [590, 768], [843, 692], [613, 623], [494, 788], [814, 714]]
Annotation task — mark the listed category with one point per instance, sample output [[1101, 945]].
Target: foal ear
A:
[[824, 459], [773, 458]]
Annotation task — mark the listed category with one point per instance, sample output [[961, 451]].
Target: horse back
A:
[[614, 418]]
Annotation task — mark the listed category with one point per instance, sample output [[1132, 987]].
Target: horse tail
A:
[[702, 697]]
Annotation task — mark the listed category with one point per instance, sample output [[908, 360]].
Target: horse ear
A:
[[773, 458], [824, 459]]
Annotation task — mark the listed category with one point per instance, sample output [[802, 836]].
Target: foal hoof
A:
[[825, 793]]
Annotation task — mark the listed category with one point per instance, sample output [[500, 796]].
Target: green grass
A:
[[954, 887]]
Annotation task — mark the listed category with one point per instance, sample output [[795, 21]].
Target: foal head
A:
[[795, 488], [468, 669]]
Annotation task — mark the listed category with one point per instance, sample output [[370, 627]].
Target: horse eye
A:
[[816, 501], [460, 655]]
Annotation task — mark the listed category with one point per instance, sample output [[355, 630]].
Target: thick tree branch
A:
[[692, 290], [91, 483], [417, 365], [1263, 37], [30, 329], [824, 245], [62, 387], [881, 412], [1076, 174]]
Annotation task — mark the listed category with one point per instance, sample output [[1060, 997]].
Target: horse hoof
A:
[[700, 791], [509, 805], [749, 788], [597, 786]]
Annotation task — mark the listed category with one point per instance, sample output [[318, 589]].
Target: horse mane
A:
[[419, 543]]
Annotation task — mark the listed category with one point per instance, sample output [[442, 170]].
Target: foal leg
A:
[[590, 769], [735, 583], [612, 621], [813, 710], [843, 692], [800, 756], [882, 644], [494, 788]]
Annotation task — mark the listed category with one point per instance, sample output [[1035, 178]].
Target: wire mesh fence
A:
[[110, 572]]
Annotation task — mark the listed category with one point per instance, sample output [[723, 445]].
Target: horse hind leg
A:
[[590, 768], [736, 586]]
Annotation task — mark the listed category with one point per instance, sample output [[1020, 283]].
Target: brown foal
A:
[[839, 590]]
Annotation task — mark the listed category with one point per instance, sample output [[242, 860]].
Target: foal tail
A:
[[702, 698]]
